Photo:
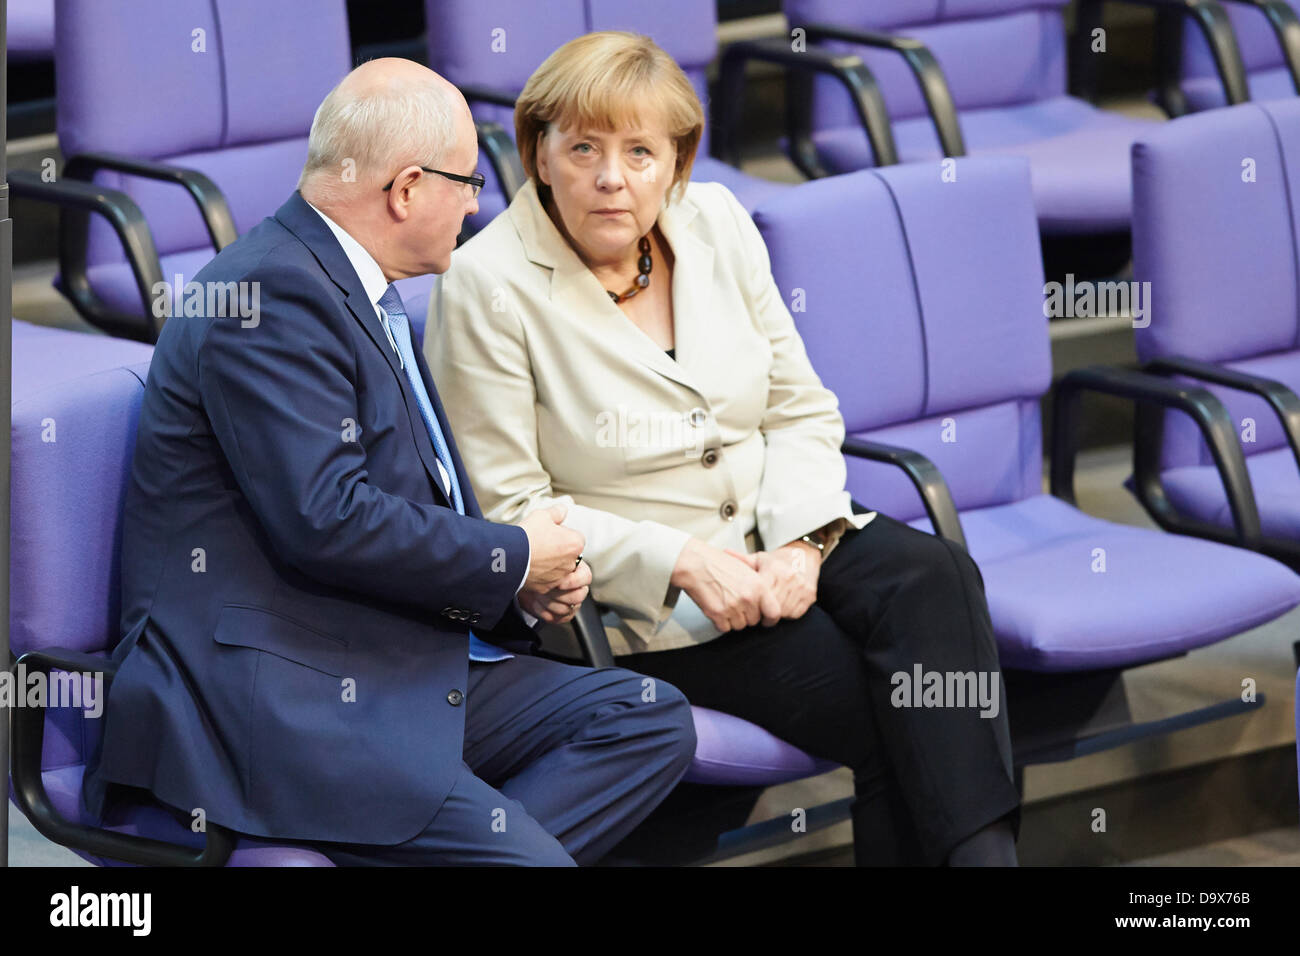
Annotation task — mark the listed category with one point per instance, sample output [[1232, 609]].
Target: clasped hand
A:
[[558, 581], [737, 590]]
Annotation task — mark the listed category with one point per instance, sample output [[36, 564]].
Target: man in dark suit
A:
[[318, 621]]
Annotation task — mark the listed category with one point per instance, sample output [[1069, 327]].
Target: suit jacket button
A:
[[698, 417], [709, 458], [728, 510], [473, 618], [446, 612], [454, 697]]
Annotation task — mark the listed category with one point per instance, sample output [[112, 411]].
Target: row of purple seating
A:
[[867, 84], [924, 314]]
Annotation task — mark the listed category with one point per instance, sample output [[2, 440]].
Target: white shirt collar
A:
[[367, 269]]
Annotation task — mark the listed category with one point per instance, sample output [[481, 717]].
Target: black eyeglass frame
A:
[[477, 180]]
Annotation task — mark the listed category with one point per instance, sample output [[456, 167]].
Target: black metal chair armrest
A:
[[926, 478], [929, 76], [478, 93], [127, 221], [1286, 25], [210, 200], [800, 68], [29, 789], [503, 156], [1153, 395], [1284, 402], [589, 630], [1207, 15]]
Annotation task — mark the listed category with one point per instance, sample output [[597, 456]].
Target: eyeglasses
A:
[[476, 181]]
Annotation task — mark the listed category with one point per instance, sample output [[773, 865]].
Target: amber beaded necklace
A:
[[643, 265]]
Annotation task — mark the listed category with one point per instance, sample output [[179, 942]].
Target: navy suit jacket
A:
[[296, 588]]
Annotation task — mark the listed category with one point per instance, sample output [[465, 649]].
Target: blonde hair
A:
[[607, 80]]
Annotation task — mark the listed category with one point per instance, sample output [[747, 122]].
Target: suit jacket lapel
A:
[[300, 219]]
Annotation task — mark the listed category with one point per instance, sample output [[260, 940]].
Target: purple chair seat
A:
[[64, 788], [1004, 62], [734, 752], [1078, 156], [1053, 612], [1197, 490], [44, 357]]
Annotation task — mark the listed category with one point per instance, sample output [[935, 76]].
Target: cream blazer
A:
[[554, 395]]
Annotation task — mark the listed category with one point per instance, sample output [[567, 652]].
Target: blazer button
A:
[[473, 618], [454, 697], [446, 612], [728, 510], [709, 458], [698, 417]]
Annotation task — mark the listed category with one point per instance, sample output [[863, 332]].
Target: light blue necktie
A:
[[400, 328]]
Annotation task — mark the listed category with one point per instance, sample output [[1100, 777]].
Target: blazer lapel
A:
[[300, 219], [575, 289]]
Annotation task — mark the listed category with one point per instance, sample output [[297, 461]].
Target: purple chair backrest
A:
[[1215, 232], [499, 43], [993, 52], [29, 30], [230, 90], [920, 303], [72, 445], [1260, 49]]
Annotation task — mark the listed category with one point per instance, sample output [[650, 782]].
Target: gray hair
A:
[[357, 138]]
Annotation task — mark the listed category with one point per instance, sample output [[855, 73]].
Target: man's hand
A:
[[789, 574], [727, 588], [556, 585], [554, 548]]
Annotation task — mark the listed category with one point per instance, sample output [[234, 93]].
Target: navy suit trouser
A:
[[560, 763]]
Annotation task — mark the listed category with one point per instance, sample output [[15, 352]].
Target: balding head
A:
[[384, 115], [394, 121]]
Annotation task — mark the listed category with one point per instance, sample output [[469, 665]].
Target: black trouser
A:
[[889, 598]]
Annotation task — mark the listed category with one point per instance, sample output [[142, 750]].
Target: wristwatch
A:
[[817, 539]]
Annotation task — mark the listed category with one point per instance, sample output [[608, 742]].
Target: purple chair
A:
[[76, 399], [29, 30], [729, 752], [212, 155], [1268, 34], [928, 325], [489, 48], [1215, 234], [986, 77]]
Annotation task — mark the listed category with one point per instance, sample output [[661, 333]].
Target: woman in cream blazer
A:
[[682, 417]]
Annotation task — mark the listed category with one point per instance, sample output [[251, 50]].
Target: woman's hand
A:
[[560, 604], [789, 574], [727, 588]]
